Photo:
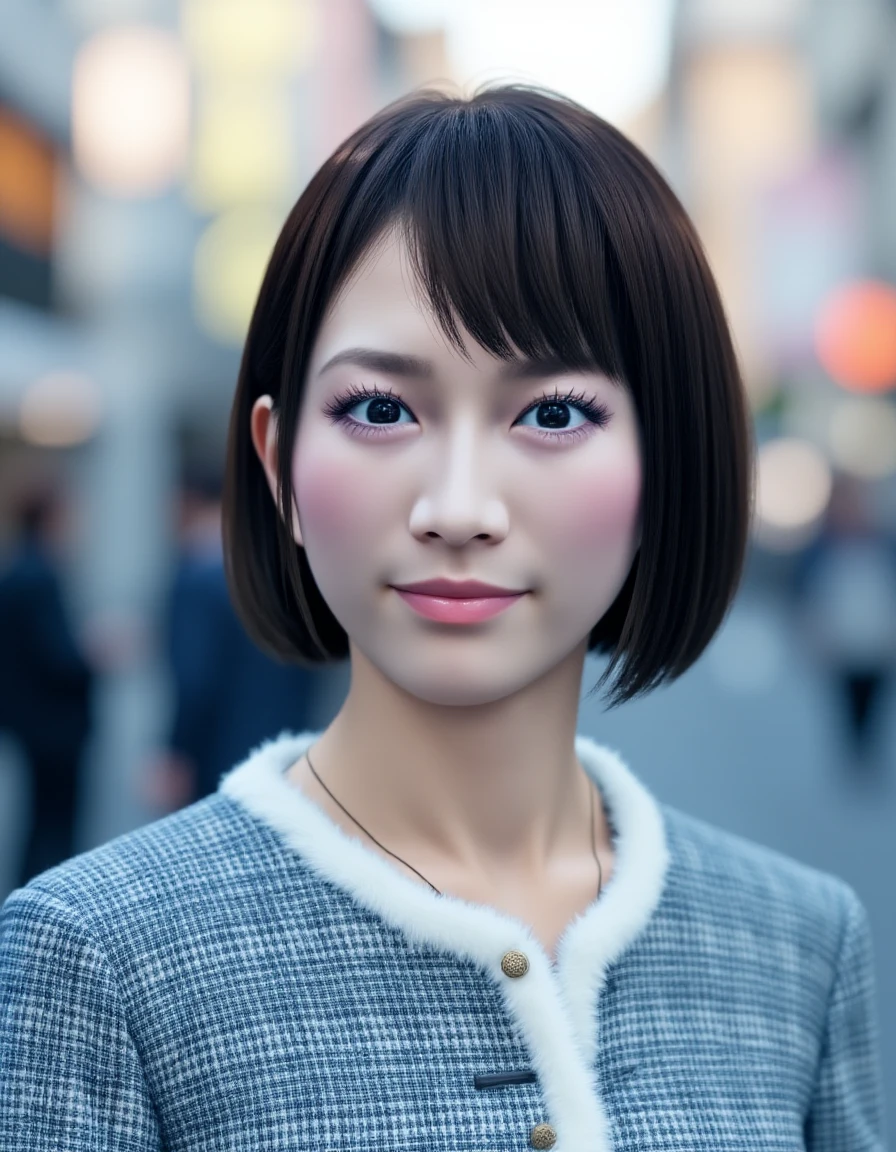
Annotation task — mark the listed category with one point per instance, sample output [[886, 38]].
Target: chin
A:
[[462, 690]]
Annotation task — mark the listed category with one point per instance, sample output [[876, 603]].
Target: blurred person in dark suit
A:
[[228, 695], [45, 678], [845, 584]]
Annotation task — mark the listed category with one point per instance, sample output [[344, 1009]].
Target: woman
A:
[[487, 350]]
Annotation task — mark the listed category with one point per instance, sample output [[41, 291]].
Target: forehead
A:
[[382, 306]]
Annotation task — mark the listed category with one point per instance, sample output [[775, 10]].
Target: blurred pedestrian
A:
[[45, 679], [845, 585], [228, 695]]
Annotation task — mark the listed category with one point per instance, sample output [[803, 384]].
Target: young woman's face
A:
[[463, 472]]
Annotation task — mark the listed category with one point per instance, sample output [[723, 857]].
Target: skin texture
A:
[[455, 744]]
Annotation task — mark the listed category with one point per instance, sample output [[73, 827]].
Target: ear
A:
[[263, 427]]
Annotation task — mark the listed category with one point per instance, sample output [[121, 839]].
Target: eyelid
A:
[[355, 393]]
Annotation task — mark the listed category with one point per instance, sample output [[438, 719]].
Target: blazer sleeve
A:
[[70, 1074], [847, 1109]]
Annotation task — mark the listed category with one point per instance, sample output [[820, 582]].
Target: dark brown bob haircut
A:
[[541, 230]]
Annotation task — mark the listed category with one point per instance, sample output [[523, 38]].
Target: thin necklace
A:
[[600, 874]]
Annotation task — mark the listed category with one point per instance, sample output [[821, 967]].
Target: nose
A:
[[458, 500]]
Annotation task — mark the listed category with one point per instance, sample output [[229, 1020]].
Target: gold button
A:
[[514, 964], [542, 1136]]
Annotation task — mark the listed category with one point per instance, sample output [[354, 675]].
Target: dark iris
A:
[[381, 411], [558, 414]]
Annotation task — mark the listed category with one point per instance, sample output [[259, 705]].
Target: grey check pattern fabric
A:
[[195, 986]]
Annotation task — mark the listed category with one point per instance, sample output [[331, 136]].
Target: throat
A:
[[547, 904], [548, 907]]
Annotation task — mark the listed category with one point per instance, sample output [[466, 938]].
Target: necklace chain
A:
[[600, 874]]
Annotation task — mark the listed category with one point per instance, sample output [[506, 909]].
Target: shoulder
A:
[[754, 893], [153, 889]]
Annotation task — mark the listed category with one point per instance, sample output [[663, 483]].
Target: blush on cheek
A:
[[602, 510], [334, 498]]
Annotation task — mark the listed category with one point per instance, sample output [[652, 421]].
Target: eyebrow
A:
[[399, 364], [392, 363]]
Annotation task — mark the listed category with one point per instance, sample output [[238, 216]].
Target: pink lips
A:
[[459, 589], [455, 610]]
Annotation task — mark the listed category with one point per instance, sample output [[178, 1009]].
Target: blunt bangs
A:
[[514, 252], [542, 231]]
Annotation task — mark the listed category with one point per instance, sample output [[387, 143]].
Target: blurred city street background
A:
[[149, 153]]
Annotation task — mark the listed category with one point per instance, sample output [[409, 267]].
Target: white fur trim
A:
[[554, 1008]]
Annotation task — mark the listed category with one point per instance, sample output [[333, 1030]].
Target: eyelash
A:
[[336, 409]]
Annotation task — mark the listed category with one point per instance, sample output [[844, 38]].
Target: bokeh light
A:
[[863, 437], [241, 150], [27, 183], [228, 267], [793, 487], [59, 410], [266, 37], [613, 58], [855, 336], [131, 110]]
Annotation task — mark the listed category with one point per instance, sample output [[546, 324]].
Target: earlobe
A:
[[263, 430]]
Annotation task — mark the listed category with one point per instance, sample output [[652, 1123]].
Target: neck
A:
[[486, 790]]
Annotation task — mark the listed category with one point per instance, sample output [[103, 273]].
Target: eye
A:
[[555, 409], [382, 407], [555, 413]]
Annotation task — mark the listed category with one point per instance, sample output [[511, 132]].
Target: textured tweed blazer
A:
[[242, 975]]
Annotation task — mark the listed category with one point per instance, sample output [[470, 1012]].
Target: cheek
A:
[[338, 501], [597, 510]]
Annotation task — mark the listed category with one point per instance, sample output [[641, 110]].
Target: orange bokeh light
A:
[[27, 184], [855, 336]]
